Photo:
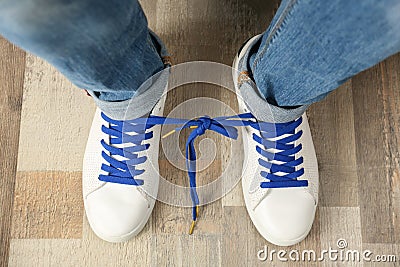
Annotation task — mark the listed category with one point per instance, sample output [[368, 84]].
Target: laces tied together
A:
[[124, 171]]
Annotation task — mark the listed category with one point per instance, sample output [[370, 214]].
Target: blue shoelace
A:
[[287, 153], [125, 171]]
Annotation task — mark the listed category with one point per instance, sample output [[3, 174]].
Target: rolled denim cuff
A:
[[257, 103], [145, 97], [142, 103]]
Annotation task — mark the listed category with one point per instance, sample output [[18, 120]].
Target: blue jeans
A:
[[101, 46], [309, 49]]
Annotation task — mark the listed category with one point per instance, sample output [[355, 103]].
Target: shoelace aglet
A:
[[192, 227], [168, 134], [173, 131], [194, 222]]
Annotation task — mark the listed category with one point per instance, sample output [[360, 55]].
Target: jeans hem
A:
[[141, 104], [253, 99]]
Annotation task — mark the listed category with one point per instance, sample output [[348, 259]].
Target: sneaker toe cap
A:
[[116, 212], [285, 216]]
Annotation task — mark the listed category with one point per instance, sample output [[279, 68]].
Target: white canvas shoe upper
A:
[[282, 215], [116, 212]]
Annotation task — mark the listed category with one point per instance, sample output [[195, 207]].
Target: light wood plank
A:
[[381, 252], [373, 158], [332, 128], [377, 217], [394, 175], [201, 250], [167, 250], [57, 116], [371, 151], [136, 252], [235, 197], [232, 156], [340, 223], [391, 109], [241, 237], [391, 93], [235, 246], [186, 250], [48, 205], [173, 219], [12, 62], [45, 252]]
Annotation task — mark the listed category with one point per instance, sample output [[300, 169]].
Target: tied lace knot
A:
[[204, 126]]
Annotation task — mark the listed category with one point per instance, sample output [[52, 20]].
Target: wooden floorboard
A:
[[334, 139], [375, 156], [12, 65], [356, 132]]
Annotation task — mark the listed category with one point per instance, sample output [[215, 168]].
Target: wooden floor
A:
[[45, 122]]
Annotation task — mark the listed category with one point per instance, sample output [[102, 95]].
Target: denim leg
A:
[[312, 47], [102, 46]]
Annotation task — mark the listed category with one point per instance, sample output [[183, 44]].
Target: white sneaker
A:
[[118, 205], [280, 176]]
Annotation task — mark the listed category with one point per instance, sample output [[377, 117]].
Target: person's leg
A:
[[104, 47], [312, 47]]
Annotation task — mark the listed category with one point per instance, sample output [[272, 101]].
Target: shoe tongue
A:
[[126, 144], [277, 138], [125, 117], [122, 158], [261, 193]]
